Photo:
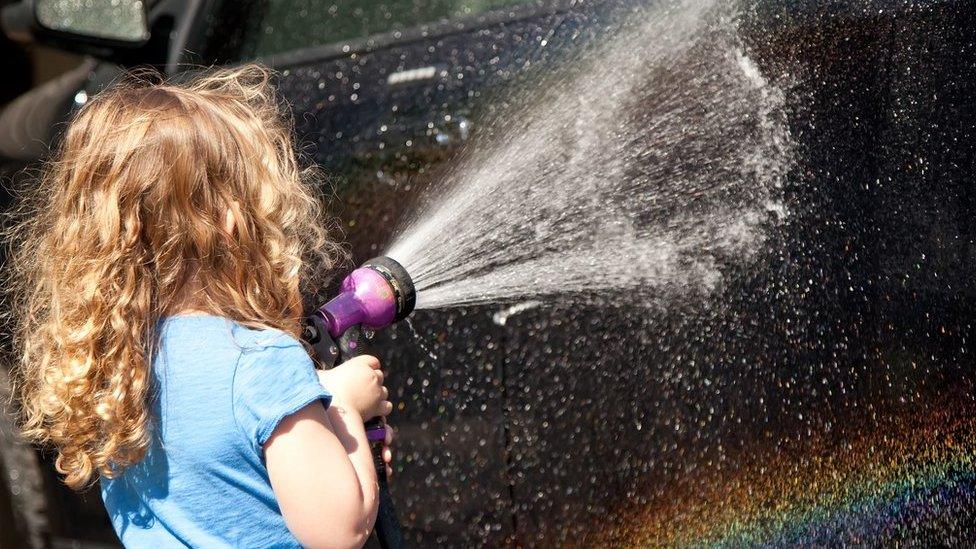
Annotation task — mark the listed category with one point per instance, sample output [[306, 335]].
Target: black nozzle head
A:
[[400, 281]]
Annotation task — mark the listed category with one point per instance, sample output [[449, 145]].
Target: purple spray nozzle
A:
[[375, 295]]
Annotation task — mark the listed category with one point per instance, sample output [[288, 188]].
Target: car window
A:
[[279, 26]]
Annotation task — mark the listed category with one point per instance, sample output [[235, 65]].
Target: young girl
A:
[[159, 278]]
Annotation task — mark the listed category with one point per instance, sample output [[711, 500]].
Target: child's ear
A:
[[230, 220]]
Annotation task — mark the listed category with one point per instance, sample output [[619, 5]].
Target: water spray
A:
[[681, 195], [374, 296]]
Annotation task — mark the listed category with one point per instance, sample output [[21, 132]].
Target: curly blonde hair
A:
[[128, 226]]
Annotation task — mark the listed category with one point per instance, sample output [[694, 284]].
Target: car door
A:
[[744, 418]]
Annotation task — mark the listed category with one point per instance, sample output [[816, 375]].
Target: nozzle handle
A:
[[388, 529], [389, 533]]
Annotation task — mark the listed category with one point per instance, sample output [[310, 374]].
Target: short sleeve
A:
[[273, 380]]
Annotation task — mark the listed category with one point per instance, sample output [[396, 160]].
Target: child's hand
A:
[[357, 384]]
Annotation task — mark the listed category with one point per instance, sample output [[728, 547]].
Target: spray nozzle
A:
[[373, 296]]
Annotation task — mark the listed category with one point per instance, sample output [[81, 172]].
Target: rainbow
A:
[[911, 477]]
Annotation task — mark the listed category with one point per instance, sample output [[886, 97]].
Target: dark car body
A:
[[844, 354]]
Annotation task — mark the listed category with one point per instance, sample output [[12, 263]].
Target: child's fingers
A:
[[369, 361], [387, 455], [389, 436], [386, 393], [389, 472], [382, 408]]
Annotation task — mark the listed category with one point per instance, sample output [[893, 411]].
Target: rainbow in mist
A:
[[908, 477]]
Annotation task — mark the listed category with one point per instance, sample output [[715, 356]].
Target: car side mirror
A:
[[98, 27]]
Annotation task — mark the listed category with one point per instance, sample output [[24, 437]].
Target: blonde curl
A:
[[126, 226]]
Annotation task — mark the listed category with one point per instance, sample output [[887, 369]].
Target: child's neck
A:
[[190, 312]]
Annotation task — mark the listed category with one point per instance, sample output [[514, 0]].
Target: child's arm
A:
[[320, 464], [323, 476]]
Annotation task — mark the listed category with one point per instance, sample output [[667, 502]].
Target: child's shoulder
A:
[[256, 339], [245, 338]]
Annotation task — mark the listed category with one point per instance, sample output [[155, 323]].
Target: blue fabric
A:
[[221, 389]]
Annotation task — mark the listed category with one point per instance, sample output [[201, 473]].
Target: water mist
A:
[[649, 166]]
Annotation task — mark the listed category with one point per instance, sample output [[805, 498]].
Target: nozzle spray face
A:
[[375, 295]]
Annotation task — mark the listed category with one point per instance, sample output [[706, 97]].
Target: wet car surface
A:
[[855, 323], [822, 395]]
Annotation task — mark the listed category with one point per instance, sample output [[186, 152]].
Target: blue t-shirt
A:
[[221, 389]]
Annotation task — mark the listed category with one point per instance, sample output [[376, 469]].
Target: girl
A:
[[159, 278]]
